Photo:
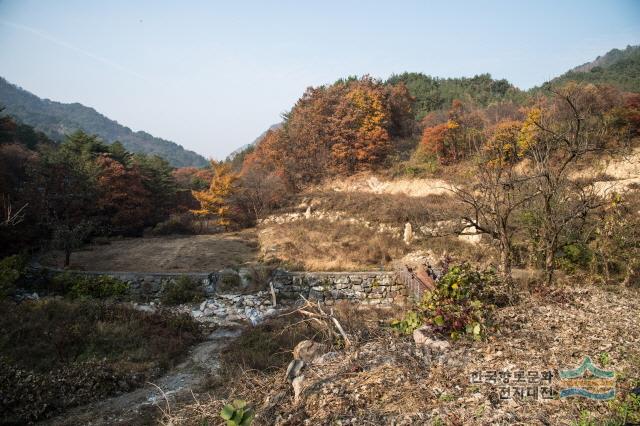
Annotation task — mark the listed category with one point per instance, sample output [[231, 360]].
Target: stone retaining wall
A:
[[364, 287], [328, 287]]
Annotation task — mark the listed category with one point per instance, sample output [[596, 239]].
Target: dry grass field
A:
[[183, 253]]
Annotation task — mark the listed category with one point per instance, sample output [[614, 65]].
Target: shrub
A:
[[99, 287], [28, 396], [454, 307], [181, 224], [182, 290], [11, 270], [229, 282], [574, 256], [58, 353]]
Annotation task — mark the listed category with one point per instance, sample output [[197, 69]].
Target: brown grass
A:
[[392, 209], [319, 245], [192, 253], [382, 381], [460, 250]]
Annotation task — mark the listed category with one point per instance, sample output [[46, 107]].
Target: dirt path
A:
[[140, 406]]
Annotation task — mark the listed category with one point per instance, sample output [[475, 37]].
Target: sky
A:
[[213, 75]]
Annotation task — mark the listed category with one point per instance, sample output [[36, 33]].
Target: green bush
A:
[[454, 308], [99, 287], [574, 256], [183, 290], [175, 225], [626, 410], [11, 270]]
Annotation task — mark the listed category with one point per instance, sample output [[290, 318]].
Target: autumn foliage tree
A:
[[123, 198], [501, 190], [215, 201], [562, 132], [528, 170], [453, 139], [343, 128], [359, 136], [192, 178]]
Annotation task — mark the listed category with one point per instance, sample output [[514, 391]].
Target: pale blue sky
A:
[[213, 75]]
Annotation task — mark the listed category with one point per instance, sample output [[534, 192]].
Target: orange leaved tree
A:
[[214, 202], [359, 132]]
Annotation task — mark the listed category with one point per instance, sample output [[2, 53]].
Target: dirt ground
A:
[[387, 380], [192, 253]]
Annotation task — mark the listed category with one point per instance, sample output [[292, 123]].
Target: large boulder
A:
[[425, 338], [308, 351]]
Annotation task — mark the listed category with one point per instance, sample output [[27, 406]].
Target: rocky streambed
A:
[[226, 310]]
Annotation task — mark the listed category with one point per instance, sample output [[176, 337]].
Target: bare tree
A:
[[11, 217], [260, 191], [568, 128], [501, 188]]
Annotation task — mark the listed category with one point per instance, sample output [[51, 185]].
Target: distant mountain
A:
[[620, 68], [251, 145], [57, 119]]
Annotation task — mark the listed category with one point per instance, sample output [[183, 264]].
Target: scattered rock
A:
[[308, 351], [144, 308], [432, 347], [326, 358], [294, 369]]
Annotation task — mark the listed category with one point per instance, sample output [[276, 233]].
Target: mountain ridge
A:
[[58, 119], [618, 67]]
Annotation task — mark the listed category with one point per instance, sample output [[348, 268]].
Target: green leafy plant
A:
[[575, 256], [604, 359], [99, 287], [625, 411], [237, 413], [585, 419], [454, 307], [11, 270], [411, 321], [182, 290]]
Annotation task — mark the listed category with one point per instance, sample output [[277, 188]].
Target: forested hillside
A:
[[58, 120], [433, 93]]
